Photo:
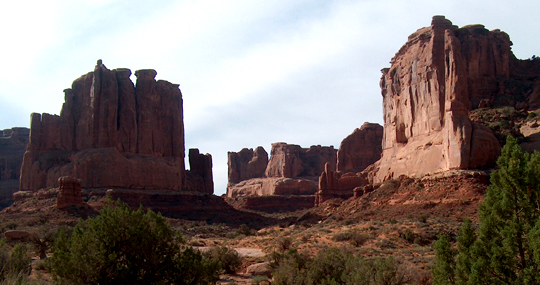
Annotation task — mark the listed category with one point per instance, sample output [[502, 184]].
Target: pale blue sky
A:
[[251, 72]]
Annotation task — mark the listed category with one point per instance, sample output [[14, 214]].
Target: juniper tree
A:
[[121, 246], [507, 248]]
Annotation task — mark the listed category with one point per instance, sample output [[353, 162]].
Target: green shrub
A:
[[121, 246], [258, 279], [14, 264], [228, 258], [356, 238], [334, 266], [506, 247], [245, 230]]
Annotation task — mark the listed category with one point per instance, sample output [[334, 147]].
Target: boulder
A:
[[259, 269], [16, 235]]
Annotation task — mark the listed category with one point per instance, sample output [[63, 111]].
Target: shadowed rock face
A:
[[360, 149], [435, 79], [247, 164], [112, 133], [69, 193], [12, 147]]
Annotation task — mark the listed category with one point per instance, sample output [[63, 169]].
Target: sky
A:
[[251, 72]]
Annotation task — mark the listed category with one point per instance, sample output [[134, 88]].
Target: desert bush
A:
[[334, 266], [229, 260], [384, 243], [356, 238], [121, 246], [14, 263], [259, 279], [283, 244], [246, 230], [41, 241], [407, 235]]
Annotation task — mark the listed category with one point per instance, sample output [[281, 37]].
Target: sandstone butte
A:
[[288, 176], [112, 133], [12, 147], [436, 79]]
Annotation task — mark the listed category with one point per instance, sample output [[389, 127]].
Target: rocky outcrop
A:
[[291, 170], [69, 193], [199, 178], [289, 160], [360, 149], [436, 78], [247, 164], [12, 147], [348, 176], [113, 133], [334, 184]]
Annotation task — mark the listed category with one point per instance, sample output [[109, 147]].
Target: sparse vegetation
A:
[[229, 260], [334, 266], [122, 246]]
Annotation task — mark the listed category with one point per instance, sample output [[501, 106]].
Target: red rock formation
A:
[[246, 164], [334, 184], [112, 133], [273, 203], [69, 192], [360, 149], [199, 177], [291, 170], [289, 160], [436, 78]]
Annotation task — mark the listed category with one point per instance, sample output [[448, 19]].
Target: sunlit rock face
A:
[[113, 133], [440, 75]]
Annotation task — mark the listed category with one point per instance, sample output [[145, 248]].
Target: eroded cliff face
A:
[[291, 170], [360, 149], [112, 133], [436, 78], [344, 178]]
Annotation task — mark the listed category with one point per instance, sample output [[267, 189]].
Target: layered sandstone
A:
[[113, 133], [347, 176], [12, 147], [360, 149], [435, 79], [247, 164], [291, 170], [69, 192]]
